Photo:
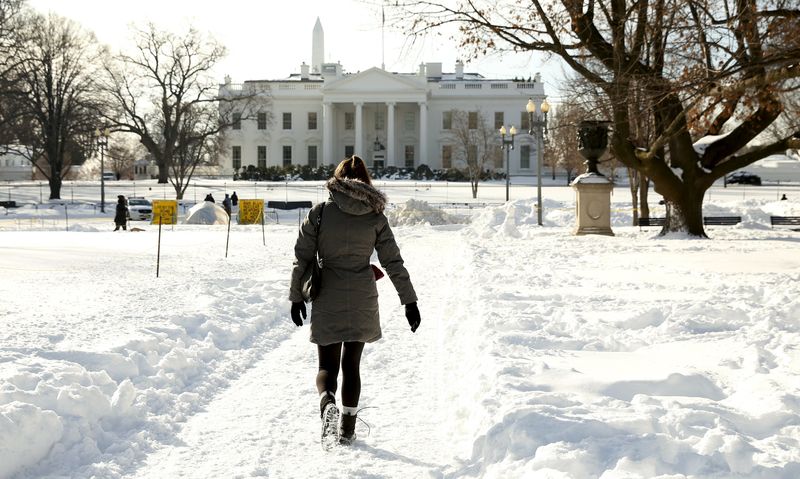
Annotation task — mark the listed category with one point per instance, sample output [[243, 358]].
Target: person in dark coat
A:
[[226, 203], [234, 199], [121, 215], [209, 198], [344, 315]]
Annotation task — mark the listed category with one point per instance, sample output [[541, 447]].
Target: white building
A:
[[323, 115], [15, 167]]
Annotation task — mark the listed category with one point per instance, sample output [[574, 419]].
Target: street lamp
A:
[[507, 145], [102, 142], [537, 124]]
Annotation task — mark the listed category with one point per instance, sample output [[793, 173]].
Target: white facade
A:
[[320, 118], [15, 167]]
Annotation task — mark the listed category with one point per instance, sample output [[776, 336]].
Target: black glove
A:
[[412, 315], [298, 309]]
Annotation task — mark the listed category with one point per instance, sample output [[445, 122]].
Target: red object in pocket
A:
[[377, 272]]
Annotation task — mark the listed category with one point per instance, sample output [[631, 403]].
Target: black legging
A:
[[329, 358]]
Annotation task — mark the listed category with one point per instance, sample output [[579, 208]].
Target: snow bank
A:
[[206, 213], [419, 212]]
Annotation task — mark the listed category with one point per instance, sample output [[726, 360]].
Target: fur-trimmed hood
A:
[[356, 197]]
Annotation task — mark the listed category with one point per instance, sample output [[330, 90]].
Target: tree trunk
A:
[[163, 176], [644, 189], [686, 214], [55, 187], [474, 184]]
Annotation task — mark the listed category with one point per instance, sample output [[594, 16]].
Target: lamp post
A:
[[507, 145], [102, 142], [537, 124]]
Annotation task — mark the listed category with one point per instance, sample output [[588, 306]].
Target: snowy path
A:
[[266, 423]]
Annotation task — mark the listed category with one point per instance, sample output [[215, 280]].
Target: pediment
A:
[[375, 80]]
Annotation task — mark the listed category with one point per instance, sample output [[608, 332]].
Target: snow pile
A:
[[419, 212], [206, 213]]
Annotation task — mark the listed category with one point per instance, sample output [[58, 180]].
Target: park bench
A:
[[654, 221], [785, 221], [289, 205], [721, 220]]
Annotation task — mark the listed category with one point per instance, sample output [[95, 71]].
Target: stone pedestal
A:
[[593, 205]]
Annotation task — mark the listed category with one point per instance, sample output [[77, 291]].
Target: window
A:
[[236, 154], [447, 120], [312, 156], [525, 156], [349, 120], [287, 155], [472, 120], [287, 121], [262, 156], [348, 151], [523, 121], [262, 121], [472, 154], [410, 120], [499, 118], [409, 156], [312, 120], [379, 120], [447, 156], [237, 121]]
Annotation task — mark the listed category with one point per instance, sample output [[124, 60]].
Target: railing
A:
[[473, 86], [447, 86], [499, 86], [526, 85]]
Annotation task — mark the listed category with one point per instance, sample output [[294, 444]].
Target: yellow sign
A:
[[251, 212], [167, 210]]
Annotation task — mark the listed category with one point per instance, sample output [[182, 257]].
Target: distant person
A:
[[234, 199], [784, 197], [345, 314], [210, 198], [121, 216], [226, 203]]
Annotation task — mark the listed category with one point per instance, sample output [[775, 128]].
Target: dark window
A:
[[409, 156], [349, 119], [262, 156], [447, 120], [312, 120], [472, 154], [236, 154], [447, 156], [262, 121], [287, 155], [237, 121], [379, 120], [472, 120], [525, 156], [499, 118], [348, 151], [312, 156], [523, 121], [287, 121]]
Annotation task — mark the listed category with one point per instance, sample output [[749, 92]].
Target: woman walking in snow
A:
[[344, 315]]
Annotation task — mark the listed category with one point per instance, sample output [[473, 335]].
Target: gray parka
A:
[[353, 226]]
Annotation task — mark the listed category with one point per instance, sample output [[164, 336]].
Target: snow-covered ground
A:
[[540, 354]]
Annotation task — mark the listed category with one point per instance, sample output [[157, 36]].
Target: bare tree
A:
[[54, 94], [476, 145], [707, 67], [563, 138], [9, 45], [163, 94]]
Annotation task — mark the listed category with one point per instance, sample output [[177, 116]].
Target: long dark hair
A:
[[354, 169]]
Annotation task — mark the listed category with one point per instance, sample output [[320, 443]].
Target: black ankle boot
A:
[[347, 433]]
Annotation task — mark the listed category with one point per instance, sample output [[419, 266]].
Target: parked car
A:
[[109, 176], [140, 208], [745, 178]]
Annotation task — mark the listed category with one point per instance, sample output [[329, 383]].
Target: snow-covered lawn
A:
[[540, 354]]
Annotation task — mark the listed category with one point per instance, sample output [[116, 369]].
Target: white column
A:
[[423, 132], [359, 142], [390, 160], [327, 134]]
